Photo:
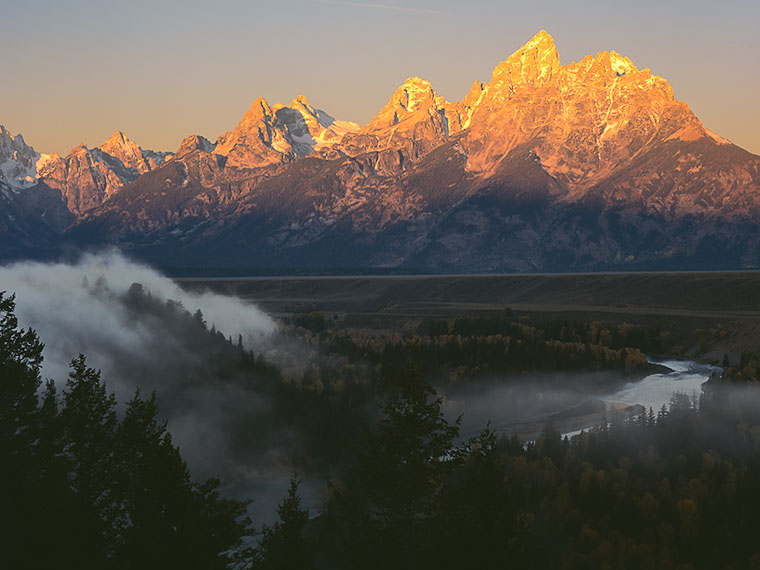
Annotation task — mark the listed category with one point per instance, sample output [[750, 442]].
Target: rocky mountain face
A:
[[18, 161], [546, 167], [279, 135], [87, 177], [31, 217]]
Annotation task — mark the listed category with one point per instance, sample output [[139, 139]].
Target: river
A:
[[656, 390], [525, 406]]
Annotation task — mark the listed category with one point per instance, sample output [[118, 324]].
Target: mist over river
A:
[[524, 407], [656, 390]]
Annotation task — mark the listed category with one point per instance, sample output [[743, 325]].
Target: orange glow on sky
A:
[[76, 72]]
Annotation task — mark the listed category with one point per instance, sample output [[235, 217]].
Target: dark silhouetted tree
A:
[[79, 489], [283, 545], [393, 486], [481, 524], [167, 520]]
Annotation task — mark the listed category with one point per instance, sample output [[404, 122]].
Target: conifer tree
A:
[[20, 361], [20, 513], [167, 520], [79, 489], [283, 545], [393, 486], [88, 419], [481, 525]]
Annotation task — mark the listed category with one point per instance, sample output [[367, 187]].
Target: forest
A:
[[88, 481]]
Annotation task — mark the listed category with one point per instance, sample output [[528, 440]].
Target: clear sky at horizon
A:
[[75, 72]]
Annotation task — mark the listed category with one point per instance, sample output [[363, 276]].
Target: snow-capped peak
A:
[[621, 65], [309, 128], [18, 161]]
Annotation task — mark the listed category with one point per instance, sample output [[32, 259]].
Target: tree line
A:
[[84, 484], [81, 487]]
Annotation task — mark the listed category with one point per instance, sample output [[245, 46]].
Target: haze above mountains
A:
[[593, 165]]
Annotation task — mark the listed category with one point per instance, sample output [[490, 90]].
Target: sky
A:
[[76, 71]]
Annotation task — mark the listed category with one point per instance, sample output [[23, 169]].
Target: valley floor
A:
[[723, 308]]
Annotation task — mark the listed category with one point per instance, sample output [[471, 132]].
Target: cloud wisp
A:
[[68, 306]]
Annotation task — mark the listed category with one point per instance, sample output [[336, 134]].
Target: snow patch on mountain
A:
[[18, 161], [621, 65]]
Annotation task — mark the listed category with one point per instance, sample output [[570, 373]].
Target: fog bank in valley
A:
[[92, 307]]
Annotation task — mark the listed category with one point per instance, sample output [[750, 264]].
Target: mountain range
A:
[[592, 165]]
